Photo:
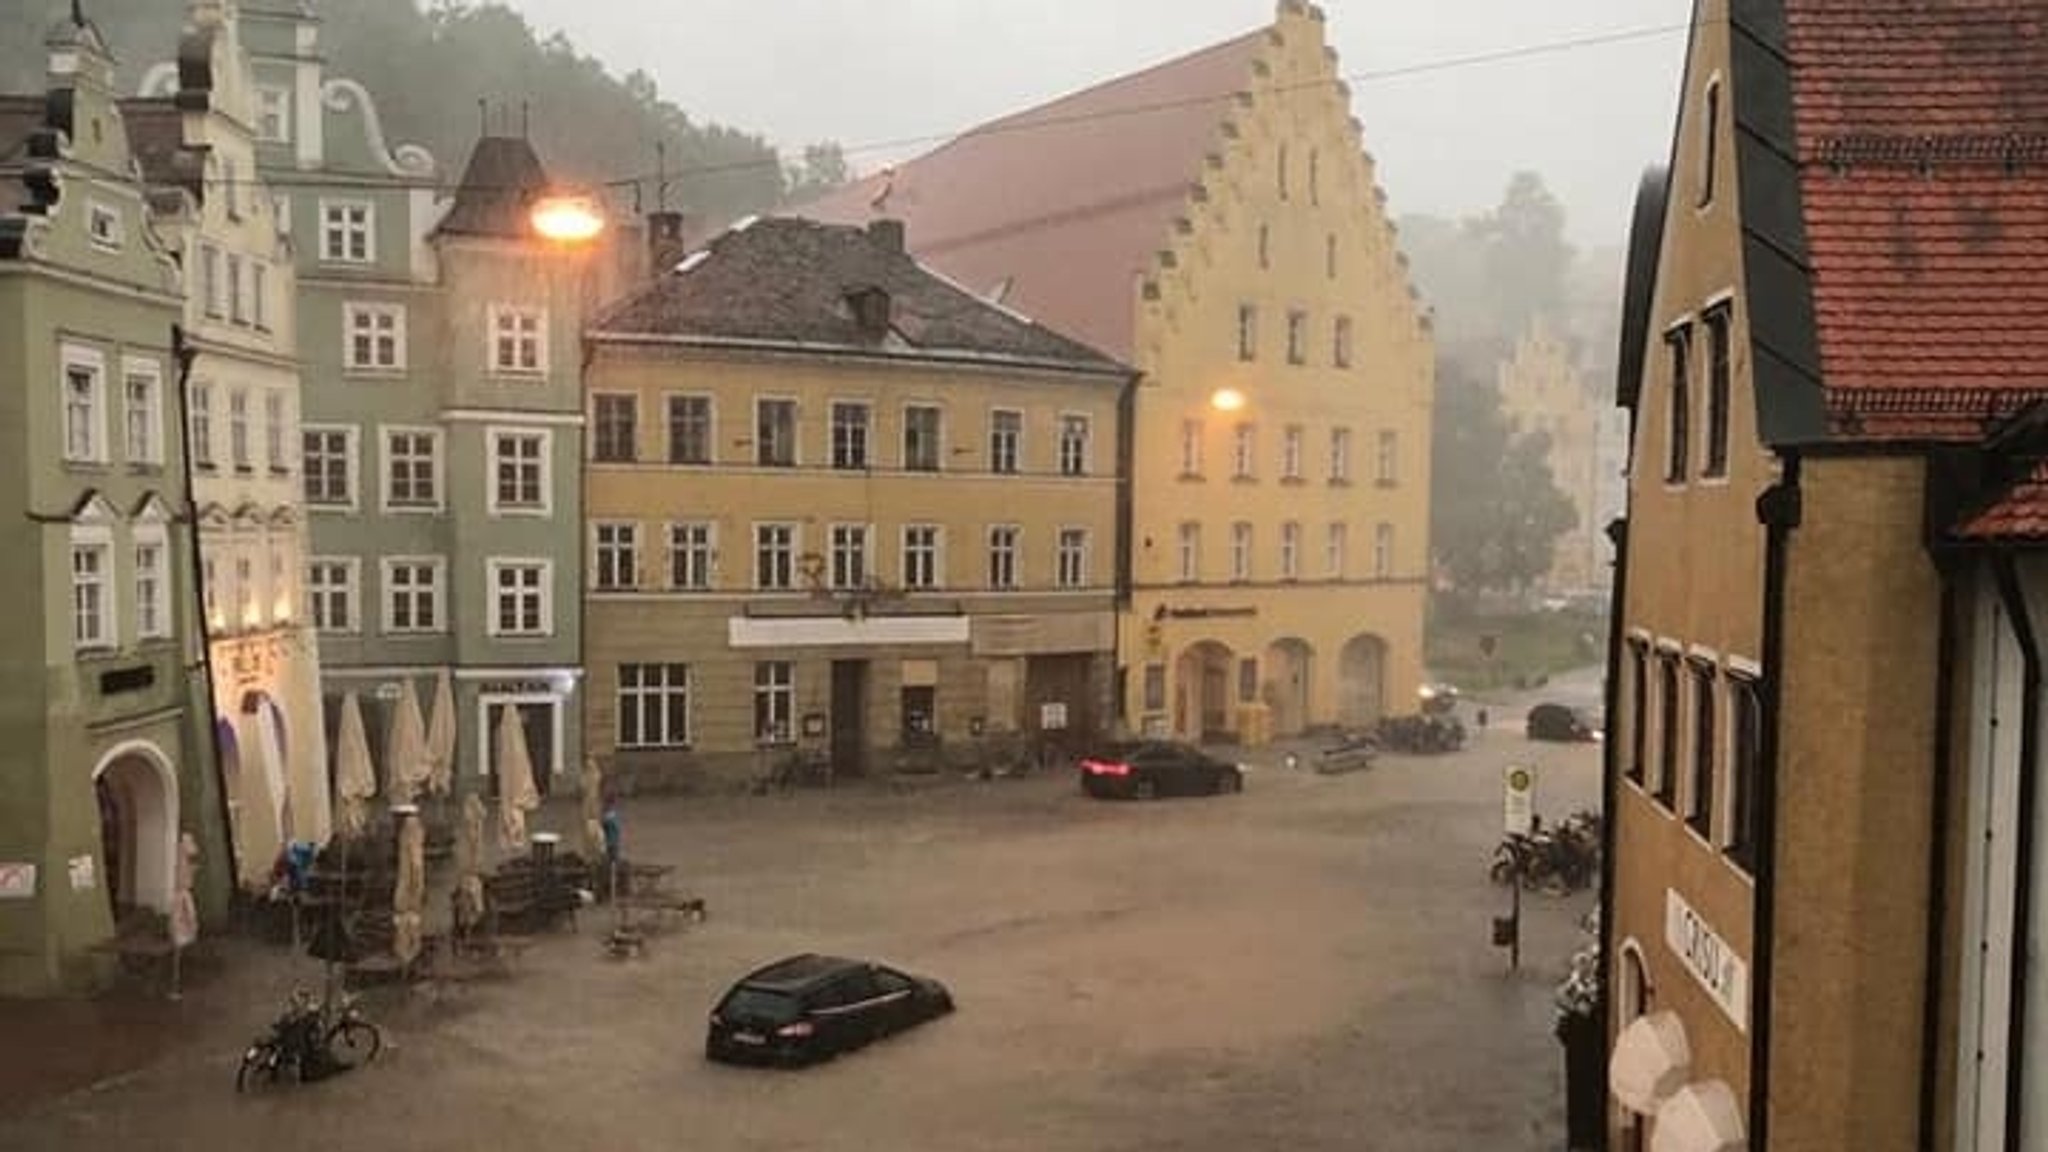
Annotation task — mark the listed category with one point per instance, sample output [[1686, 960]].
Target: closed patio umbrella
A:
[[405, 751], [353, 777], [409, 897], [516, 792], [593, 809], [441, 738], [469, 862]]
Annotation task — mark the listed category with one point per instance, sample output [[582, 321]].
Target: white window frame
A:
[[623, 546], [1072, 556], [73, 357], [779, 689], [1341, 338], [1188, 545], [276, 432], [318, 594], [238, 300], [707, 568], [98, 540], [794, 547], [796, 433], [364, 314], [273, 105], [350, 471], [104, 226], [1383, 551], [1340, 455], [938, 437], [241, 449], [1243, 538], [867, 434], [1291, 453], [633, 699], [151, 453], [153, 606], [1192, 433], [259, 294], [509, 322], [856, 541], [1388, 464], [1244, 452], [1297, 337], [496, 566], [387, 501], [215, 301], [710, 428], [934, 557], [199, 412], [1290, 550], [247, 613], [1011, 438], [1337, 550], [601, 426], [1006, 541], [495, 437], [437, 594], [1077, 461], [346, 230]]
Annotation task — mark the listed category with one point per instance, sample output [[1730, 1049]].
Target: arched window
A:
[[1710, 141]]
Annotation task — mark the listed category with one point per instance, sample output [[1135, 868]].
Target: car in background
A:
[[1144, 769], [1560, 723], [808, 1008]]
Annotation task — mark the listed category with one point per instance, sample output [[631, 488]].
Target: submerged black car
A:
[[809, 1008], [1560, 723], [1143, 770]]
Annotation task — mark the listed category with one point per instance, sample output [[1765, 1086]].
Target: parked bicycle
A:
[[1563, 859], [311, 1040]]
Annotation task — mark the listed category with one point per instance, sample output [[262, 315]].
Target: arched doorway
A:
[[1202, 695], [1290, 666], [1362, 682], [138, 801], [1632, 1003]]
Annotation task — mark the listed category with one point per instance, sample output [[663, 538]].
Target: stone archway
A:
[[1290, 685], [1362, 682], [1202, 691], [138, 799]]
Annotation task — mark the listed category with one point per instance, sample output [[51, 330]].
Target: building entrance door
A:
[[849, 717]]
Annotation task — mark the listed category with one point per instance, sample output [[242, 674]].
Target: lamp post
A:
[[185, 353]]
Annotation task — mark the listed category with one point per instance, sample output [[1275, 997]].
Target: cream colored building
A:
[[835, 501], [1216, 222], [243, 405], [1543, 390]]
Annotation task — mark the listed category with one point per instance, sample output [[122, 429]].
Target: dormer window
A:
[[872, 311]]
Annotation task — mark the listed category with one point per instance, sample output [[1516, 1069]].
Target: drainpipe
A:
[[183, 351], [1779, 509], [1610, 793], [1937, 859], [2006, 570]]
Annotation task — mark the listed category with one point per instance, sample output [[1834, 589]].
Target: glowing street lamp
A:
[[1227, 400], [568, 219]]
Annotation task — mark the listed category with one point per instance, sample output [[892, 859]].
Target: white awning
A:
[[1651, 1062], [1700, 1118]]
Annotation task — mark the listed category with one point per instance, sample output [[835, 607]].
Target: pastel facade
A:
[[838, 504], [108, 758], [1543, 391], [1238, 253]]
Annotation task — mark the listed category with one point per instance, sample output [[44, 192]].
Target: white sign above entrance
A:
[[1708, 958], [839, 632]]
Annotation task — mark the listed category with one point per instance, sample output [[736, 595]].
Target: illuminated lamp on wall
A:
[[568, 218]]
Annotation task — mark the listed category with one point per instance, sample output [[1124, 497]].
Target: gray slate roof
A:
[[783, 280], [498, 188]]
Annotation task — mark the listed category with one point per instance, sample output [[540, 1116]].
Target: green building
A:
[[439, 342], [106, 758]]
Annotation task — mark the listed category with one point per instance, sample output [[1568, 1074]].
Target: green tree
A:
[[1496, 511], [822, 169], [1524, 258]]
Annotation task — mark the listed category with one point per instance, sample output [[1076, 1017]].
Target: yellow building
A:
[[1826, 686], [1214, 221], [836, 502], [1542, 390]]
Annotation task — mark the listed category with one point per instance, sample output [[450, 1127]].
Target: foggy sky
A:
[[889, 71]]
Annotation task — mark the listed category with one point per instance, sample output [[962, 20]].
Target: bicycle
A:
[[311, 1040]]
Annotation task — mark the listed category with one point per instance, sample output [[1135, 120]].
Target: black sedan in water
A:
[[1560, 723], [809, 1008], [1143, 770]]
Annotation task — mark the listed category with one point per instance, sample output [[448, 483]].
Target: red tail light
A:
[[1105, 768], [795, 1031]]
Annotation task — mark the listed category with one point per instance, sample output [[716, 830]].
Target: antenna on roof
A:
[[483, 116], [77, 12]]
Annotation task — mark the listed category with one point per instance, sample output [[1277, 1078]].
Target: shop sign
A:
[[517, 688], [1708, 958], [17, 881]]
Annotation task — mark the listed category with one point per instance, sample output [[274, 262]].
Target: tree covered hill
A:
[[428, 68]]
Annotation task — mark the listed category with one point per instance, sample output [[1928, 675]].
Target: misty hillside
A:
[[427, 70]]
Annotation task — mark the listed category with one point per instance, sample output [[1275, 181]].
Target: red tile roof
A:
[[1066, 203], [1922, 131], [2020, 514]]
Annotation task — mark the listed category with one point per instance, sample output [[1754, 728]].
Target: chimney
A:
[[887, 234], [665, 244]]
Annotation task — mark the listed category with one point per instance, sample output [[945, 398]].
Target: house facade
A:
[[841, 505], [109, 758], [1542, 390], [1231, 243], [243, 414], [440, 435], [1824, 684]]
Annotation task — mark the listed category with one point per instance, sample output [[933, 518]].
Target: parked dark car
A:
[[809, 1008], [1560, 723], [1149, 768]]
